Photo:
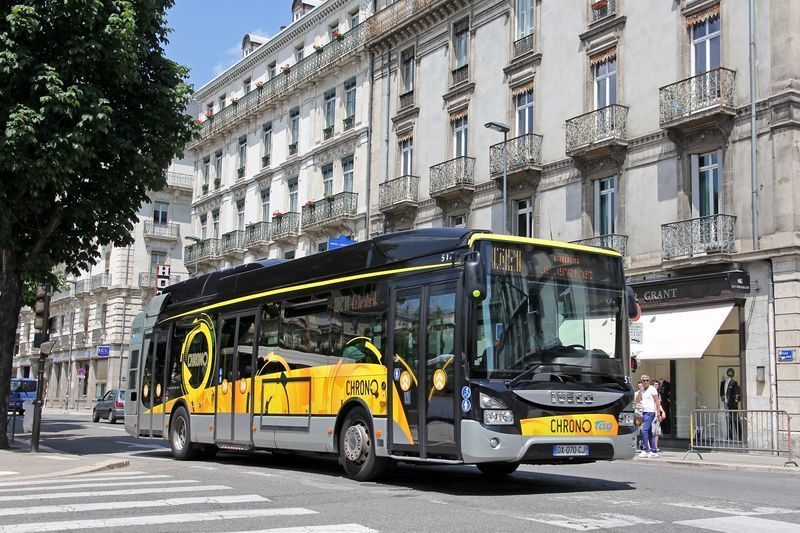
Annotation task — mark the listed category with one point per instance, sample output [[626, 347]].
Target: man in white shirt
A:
[[651, 407]]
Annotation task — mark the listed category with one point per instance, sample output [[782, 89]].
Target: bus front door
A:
[[424, 341], [153, 389], [234, 407]]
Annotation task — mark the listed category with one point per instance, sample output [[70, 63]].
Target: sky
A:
[[207, 34]]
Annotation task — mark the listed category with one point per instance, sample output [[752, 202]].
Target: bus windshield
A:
[[550, 315]]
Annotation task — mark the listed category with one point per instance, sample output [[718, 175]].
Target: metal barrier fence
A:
[[741, 431], [11, 424]]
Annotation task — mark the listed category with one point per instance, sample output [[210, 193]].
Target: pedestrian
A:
[[651, 409], [637, 414], [656, 427]]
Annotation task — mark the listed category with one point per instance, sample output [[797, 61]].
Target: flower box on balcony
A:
[[217, 183], [286, 69], [348, 122], [318, 48], [234, 101], [327, 133], [310, 204], [600, 4], [259, 85], [338, 36], [292, 148], [277, 214], [265, 160], [205, 188]]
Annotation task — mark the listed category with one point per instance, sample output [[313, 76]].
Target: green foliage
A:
[[91, 113], [56, 278]]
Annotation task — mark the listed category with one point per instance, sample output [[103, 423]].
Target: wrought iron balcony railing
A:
[[331, 210], [170, 230], [101, 281], [714, 88], [606, 123], [206, 249], [180, 181], [147, 280], [523, 45], [83, 286], [460, 75], [406, 100], [525, 150], [611, 241], [233, 241], [395, 14], [256, 234], [602, 9], [306, 69], [399, 192], [454, 174], [190, 253], [698, 236], [285, 226]]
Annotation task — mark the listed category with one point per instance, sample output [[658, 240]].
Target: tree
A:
[[91, 113]]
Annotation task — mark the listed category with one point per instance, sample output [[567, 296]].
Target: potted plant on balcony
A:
[[336, 35], [310, 203], [292, 148], [317, 48], [259, 85], [209, 114], [327, 133], [329, 197], [205, 188], [234, 101], [285, 68], [348, 122], [217, 183], [277, 214]]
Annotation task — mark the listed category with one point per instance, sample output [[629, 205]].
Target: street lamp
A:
[[195, 240], [504, 129]]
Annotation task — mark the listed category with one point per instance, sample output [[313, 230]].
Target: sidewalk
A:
[[753, 462]]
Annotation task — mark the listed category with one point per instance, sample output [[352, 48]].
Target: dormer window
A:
[[297, 14]]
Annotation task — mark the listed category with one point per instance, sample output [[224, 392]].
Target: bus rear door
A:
[[153, 389], [234, 398]]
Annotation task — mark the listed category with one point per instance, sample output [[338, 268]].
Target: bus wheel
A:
[[179, 436], [357, 448], [497, 469]]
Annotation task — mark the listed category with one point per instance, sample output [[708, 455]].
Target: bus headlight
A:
[[498, 417], [626, 419], [487, 402]]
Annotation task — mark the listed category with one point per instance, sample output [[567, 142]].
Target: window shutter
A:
[[597, 207], [721, 184], [695, 185]]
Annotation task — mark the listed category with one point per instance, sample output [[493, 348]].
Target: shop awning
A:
[[677, 334]]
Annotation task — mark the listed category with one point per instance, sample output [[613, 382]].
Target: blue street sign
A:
[[103, 351], [338, 242], [785, 355]]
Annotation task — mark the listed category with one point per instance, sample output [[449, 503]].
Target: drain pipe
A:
[[367, 225], [773, 365], [386, 107], [753, 133]]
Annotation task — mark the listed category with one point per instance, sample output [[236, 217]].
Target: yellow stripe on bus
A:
[[540, 242]]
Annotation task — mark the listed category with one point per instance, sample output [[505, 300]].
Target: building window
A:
[[206, 169], [221, 101], [288, 254], [292, 195], [327, 179], [524, 12], [406, 156], [706, 187], [272, 69], [294, 129], [349, 102], [209, 109], [333, 32], [705, 46], [265, 214], [457, 221], [347, 173], [355, 18], [605, 83], [246, 85], [524, 105], [322, 246], [215, 224], [461, 43], [203, 227], [407, 64], [330, 112], [160, 212], [460, 131], [605, 206], [218, 165], [266, 144], [242, 155], [157, 258], [240, 214], [298, 54], [524, 222]]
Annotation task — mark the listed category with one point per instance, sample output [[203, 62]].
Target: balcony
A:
[[232, 243], [147, 280], [597, 133], [601, 9], [257, 235], [305, 70], [83, 286], [460, 75], [390, 19], [697, 101], [177, 180], [524, 159], [702, 236], [610, 241], [334, 212], [100, 281], [286, 227], [523, 46], [203, 251], [453, 178], [406, 100], [398, 195], [98, 335], [167, 232]]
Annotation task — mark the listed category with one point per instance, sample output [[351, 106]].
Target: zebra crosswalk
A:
[[121, 499]]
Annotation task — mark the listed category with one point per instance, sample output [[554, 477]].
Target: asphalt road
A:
[[301, 494]]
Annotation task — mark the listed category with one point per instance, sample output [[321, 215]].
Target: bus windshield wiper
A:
[[528, 371]]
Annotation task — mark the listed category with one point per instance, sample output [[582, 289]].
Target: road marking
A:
[[7, 473], [167, 502], [121, 492], [201, 467], [740, 524], [157, 520], [598, 521], [32, 482], [138, 445], [739, 511], [264, 474], [57, 457], [110, 473], [333, 528]]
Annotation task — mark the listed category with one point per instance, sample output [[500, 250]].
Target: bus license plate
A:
[[570, 450]]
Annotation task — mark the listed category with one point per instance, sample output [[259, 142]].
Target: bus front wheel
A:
[[497, 469], [357, 448], [179, 435]]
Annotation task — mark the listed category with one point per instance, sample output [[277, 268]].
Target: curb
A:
[[723, 466], [111, 464]]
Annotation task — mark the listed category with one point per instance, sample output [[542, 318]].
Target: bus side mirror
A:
[[634, 311], [475, 278]]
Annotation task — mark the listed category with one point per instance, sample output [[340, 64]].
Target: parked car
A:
[[22, 390], [110, 406]]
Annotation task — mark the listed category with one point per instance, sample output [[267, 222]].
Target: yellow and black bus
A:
[[445, 345]]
